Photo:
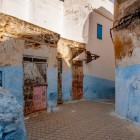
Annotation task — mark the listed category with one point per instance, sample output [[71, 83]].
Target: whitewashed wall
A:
[[45, 13], [49, 14], [80, 24], [105, 65], [17, 8], [76, 13]]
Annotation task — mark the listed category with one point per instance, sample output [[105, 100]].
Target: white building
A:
[[85, 21]]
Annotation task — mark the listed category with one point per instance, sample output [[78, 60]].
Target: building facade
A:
[[126, 39], [82, 22], [62, 59]]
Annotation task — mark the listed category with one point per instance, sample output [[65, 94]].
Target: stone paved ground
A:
[[84, 120]]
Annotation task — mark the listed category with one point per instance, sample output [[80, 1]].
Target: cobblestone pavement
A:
[[83, 120]]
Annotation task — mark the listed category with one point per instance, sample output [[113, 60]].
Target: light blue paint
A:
[[52, 90], [67, 86], [11, 121], [94, 88], [12, 78], [128, 92], [97, 88]]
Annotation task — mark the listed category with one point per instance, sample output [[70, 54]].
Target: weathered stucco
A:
[[127, 50], [65, 47], [17, 39], [76, 13], [21, 29], [11, 51], [11, 118]]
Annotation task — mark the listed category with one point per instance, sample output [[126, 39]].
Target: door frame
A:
[[35, 59], [60, 69], [73, 98]]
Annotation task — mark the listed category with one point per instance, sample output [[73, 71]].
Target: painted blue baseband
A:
[[67, 86], [52, 89], [96, 88], [128, 92], [12, 78]]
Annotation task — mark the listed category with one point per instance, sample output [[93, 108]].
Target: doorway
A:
[[77, 80], [59, 61], [35, 84]]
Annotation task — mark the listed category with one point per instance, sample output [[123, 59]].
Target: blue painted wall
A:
[[97, 88], [11, 121], [67, 86], [94, 88], [13, 81], [128, 92], [52, 90]]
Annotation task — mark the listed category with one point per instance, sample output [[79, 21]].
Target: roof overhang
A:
[[22, 29]]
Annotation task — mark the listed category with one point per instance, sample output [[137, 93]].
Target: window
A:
[[0, 78], [99, 31]]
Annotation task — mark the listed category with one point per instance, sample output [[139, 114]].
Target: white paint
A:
[[1, 6], [80, 24], [104, 66], [49, 14], [17, 8], [76, 13], [44, 13]]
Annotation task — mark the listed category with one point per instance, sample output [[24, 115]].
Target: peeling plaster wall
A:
[[52, 71], [52, 91], [13, 81], [66, 82], [128, 92], [40, 51], [52, 79], [11, 121], [65, 47], [127, 46], [19, 38], [11, 51]]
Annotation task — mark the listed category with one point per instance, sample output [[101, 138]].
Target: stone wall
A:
[[127, 50], [11, 118]]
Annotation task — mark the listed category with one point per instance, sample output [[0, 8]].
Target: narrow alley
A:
[[69, 69], [80, 120]]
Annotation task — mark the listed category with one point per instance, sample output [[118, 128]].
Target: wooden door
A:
[[59, 80], [77, 82], [35, 85]]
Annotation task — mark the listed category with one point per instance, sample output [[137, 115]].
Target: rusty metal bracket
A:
[[125, 22], [91, 57]]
